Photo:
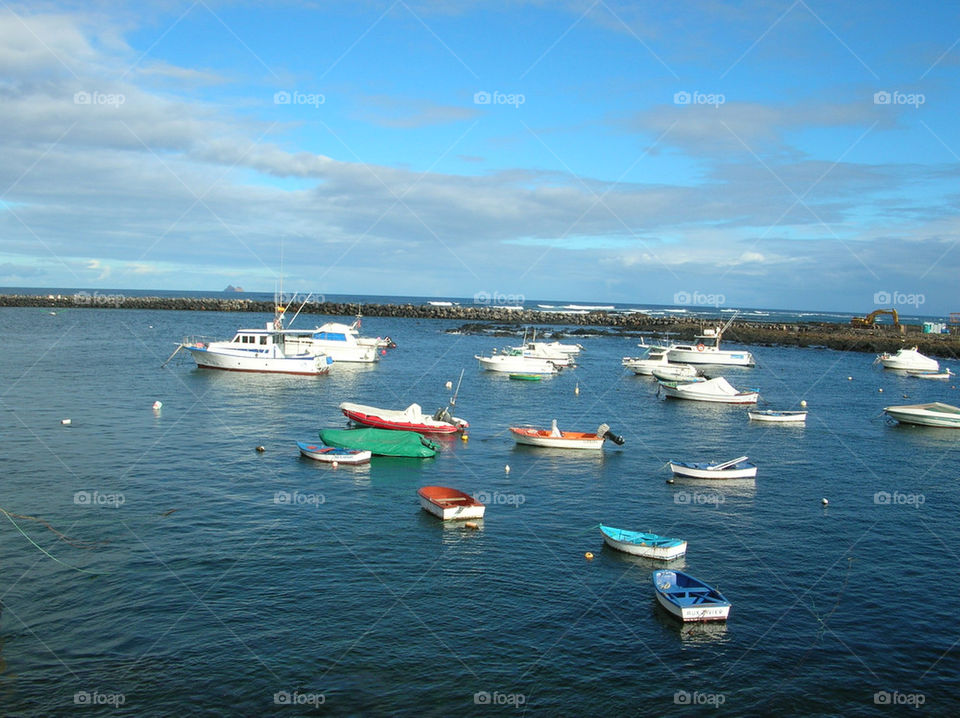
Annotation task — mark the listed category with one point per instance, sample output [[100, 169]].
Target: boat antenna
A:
[[453, 399]]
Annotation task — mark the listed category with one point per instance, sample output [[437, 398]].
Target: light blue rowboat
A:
[[689, 598], [643, 544]]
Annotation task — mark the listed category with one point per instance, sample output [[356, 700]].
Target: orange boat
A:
[[553, 438]]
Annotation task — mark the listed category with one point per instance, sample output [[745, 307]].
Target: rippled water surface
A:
[[207, 596]]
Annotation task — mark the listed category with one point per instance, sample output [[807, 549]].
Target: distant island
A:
[[231, 288]]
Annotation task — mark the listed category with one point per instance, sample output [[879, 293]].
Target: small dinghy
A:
[[553, 438], [448, 504], [689, 598], [643, 544], [737, 468], [334, 454], [926, 374], [778, 417]]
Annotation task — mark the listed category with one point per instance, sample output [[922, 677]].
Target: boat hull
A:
[[679, 392], [682, 354], [517, 364], [668, 549], [330, 454], [907, 359], [740, 471], [207, 358], [567, 439], [450, 504]]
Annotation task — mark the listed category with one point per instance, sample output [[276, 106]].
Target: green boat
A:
[[381, 442], [525, 377]]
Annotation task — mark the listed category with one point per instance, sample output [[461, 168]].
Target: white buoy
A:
[[449, 385], [157, 404], [824, 502], [335, 464], [803, 402], [65, 422], [849, 378], [880, 390], [506, 469]]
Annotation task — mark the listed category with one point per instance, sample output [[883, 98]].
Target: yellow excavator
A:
[[871, 318]]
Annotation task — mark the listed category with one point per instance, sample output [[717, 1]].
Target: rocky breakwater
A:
[[876, 339]]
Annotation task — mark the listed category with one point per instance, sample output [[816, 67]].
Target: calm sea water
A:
[[209, 597]]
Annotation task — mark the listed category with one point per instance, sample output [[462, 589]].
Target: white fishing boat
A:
[[255, 350], [677, 372], [706, 350], [652, 358], [907, 359], [553, 438], [738, 468], [778, 417], [933, 414], [717, 390], [514, 362]]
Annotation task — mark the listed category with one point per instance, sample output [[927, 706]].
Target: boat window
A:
[[263, 340]]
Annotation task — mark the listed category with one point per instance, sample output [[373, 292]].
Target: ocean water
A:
[[203, 595]]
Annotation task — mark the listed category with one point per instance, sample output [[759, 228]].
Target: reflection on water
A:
[[726, 487], [691, 631], [641, 563]]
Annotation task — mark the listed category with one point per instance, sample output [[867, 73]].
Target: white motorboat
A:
[[934, 414], [924, 374], [906, 359], [717, 390], [738, 468], [563, 348], [542, 350], [256, 350], [341, 342], [514, 362], [778, 417], [706, 350], [652, 358]]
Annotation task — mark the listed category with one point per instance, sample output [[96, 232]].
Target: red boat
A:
[[410, 419]]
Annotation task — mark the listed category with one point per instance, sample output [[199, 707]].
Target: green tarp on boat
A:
[[382, 442]]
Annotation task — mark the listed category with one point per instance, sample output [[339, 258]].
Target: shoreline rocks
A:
[[487, 319]]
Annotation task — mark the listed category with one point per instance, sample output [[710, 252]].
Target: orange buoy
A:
[[588, 556]]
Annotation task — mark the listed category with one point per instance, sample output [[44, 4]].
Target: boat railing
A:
[[198, 341]]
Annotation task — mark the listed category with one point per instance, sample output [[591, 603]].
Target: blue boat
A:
[[643, 544], [689, 598]]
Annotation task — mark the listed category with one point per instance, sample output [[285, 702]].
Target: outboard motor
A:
[[443, 415], [604, 431]]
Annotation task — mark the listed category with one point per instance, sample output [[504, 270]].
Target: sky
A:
[[772, 153]]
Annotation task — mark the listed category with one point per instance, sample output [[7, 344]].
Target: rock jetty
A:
[[480, 318]]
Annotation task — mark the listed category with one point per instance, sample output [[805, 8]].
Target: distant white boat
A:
[[442, 304], [590, 308], [706, 350], [738, 468], [652, 358], [906, 359], [781, 417], [717, 390], [514, 362]]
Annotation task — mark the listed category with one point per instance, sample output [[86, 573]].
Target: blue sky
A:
[[599, 151]]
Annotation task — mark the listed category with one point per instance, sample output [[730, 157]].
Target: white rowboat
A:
[[737, 468], [778, 417]]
